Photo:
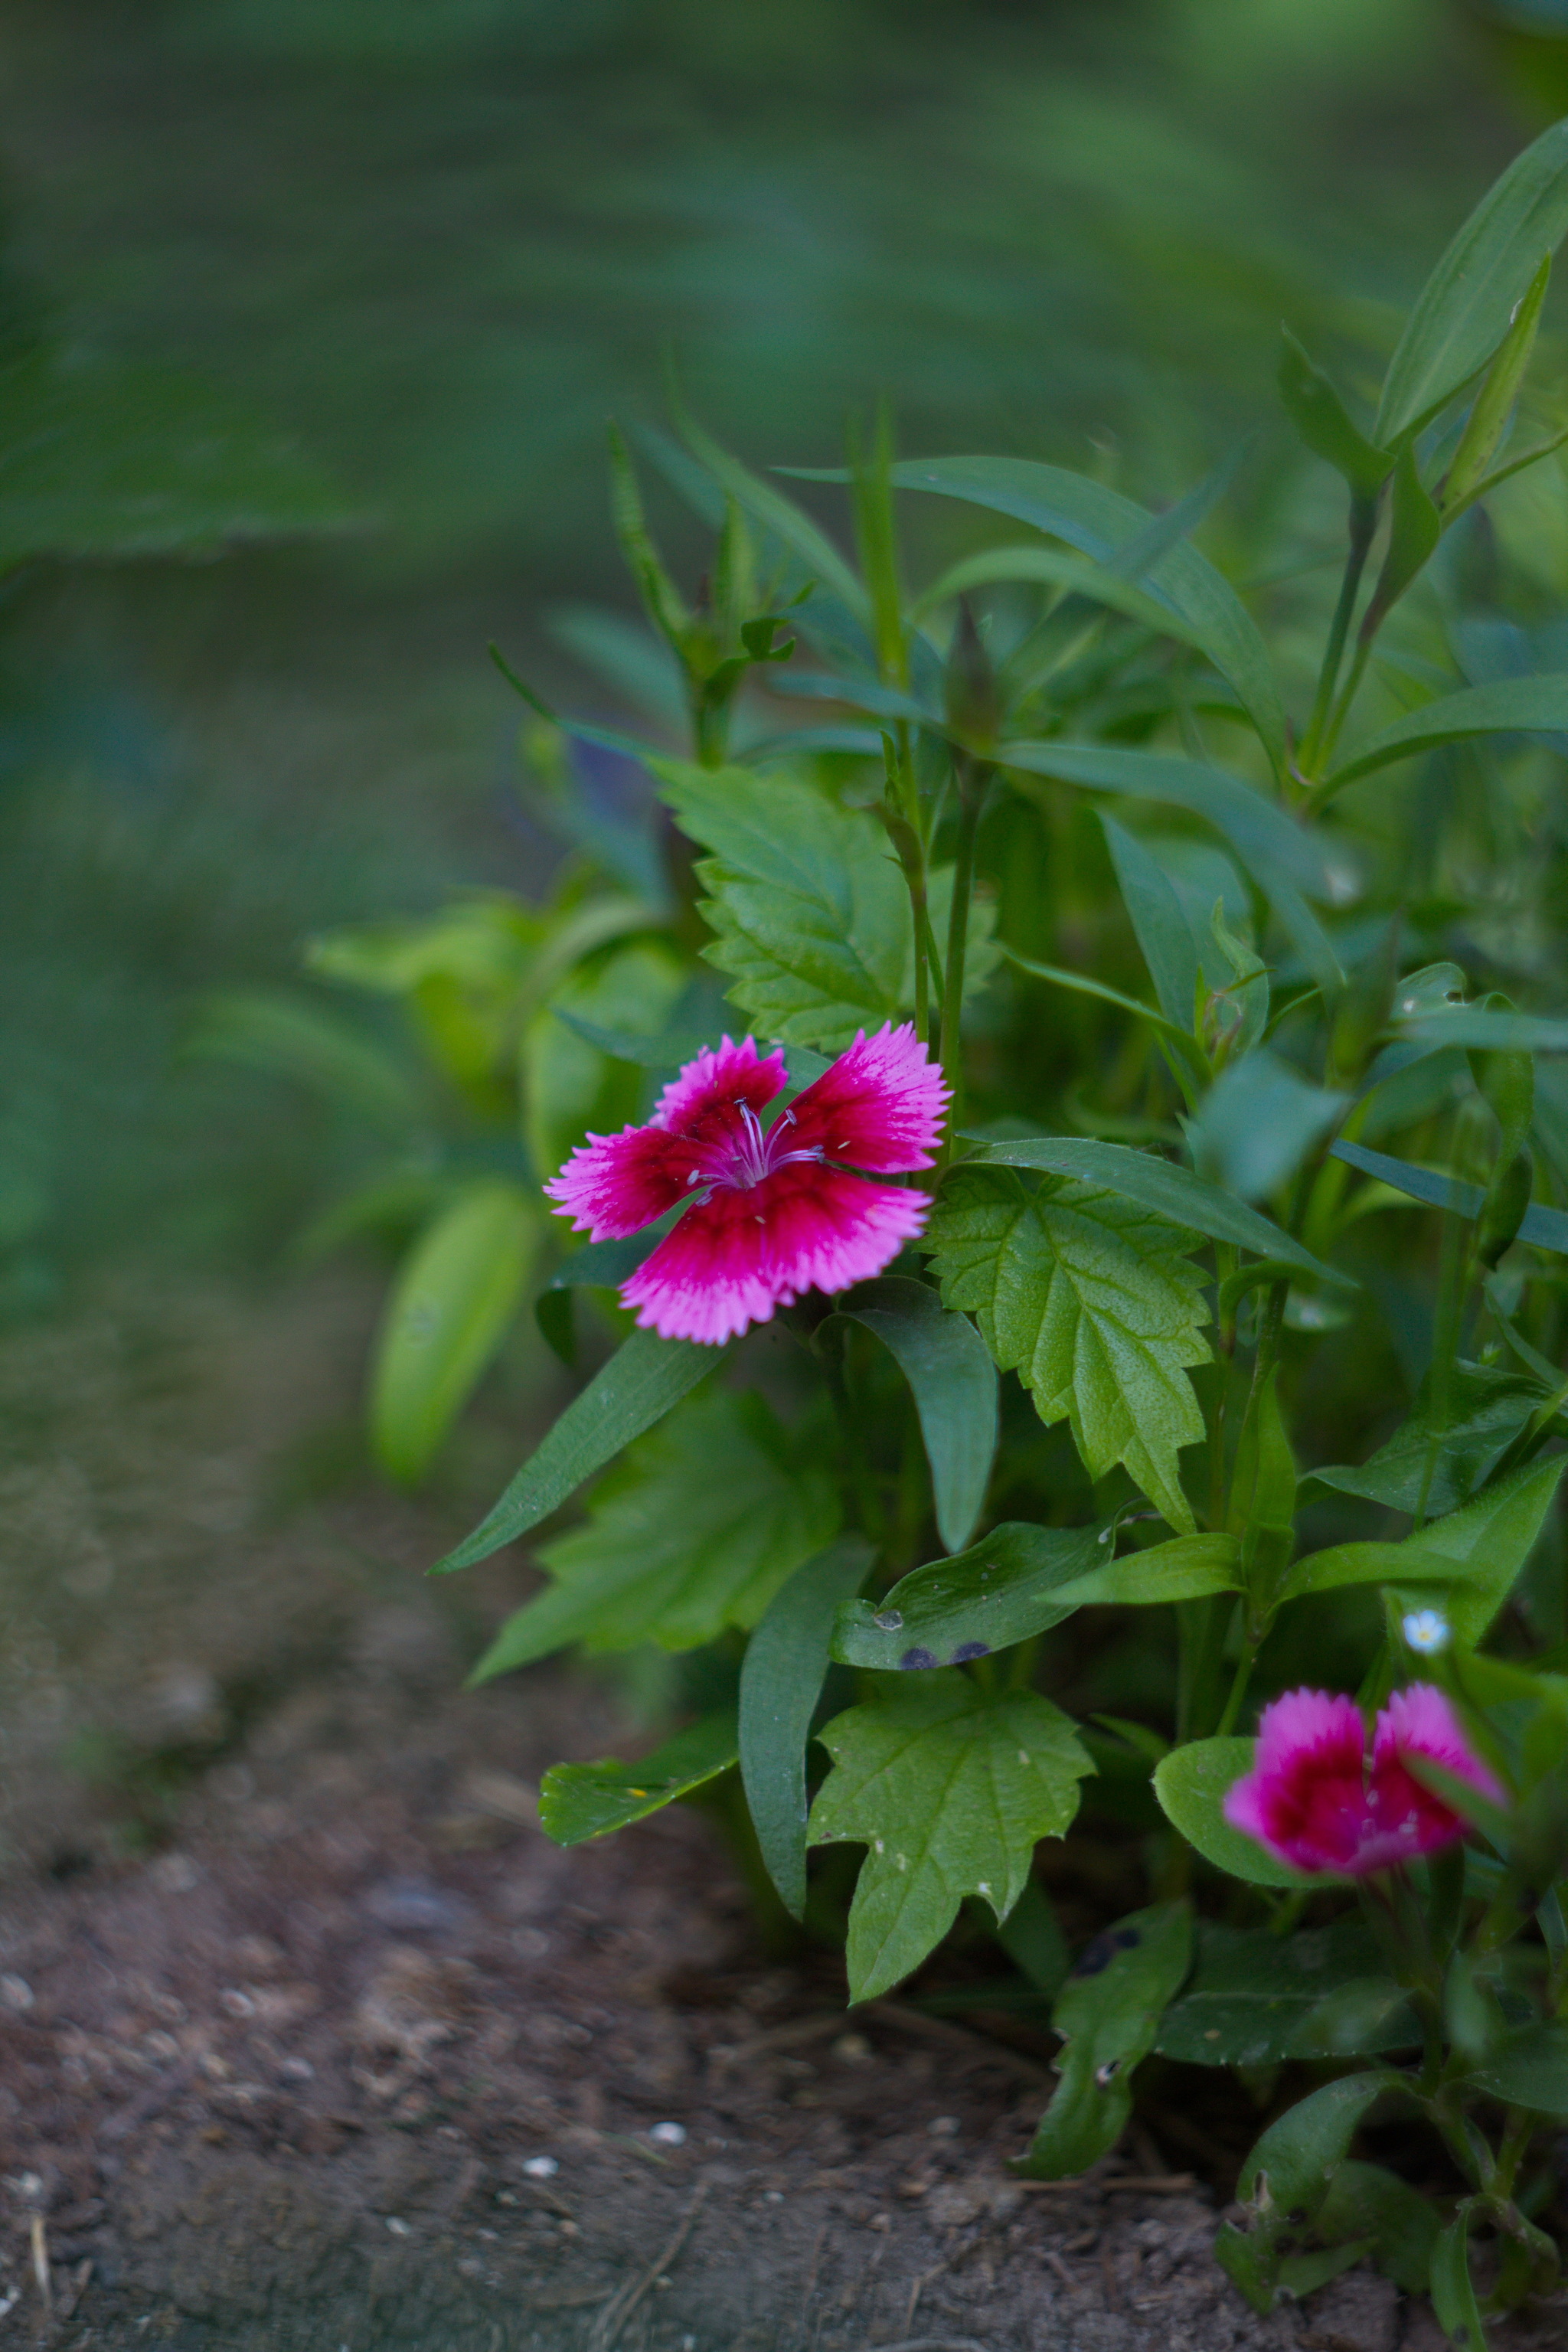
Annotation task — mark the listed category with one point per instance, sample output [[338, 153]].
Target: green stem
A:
[[1363, 523], [1238, 1688], [973, 782]]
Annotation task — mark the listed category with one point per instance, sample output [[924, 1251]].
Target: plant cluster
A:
[[1005, 1420]]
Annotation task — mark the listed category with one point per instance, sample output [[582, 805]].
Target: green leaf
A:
[[1078, 576], [1254, 1997], [949, 1788], [780, 1682], [1511, 705], [1158, 1185], [1529, 2070], [1544, 1228], [1160, 923], [577, 1802], [1033, 1940], [109, 459], [1465, 309], [1365, 2198], [1108, 2014], [1094, 1303], [1415, 526], [1003, 1589], [808, 906], [697, 1529], [1477, 1027], [642, 1381], [1487, 420], [1324, 423], [1258, 1122], [1182, 1040], [1284, 2181], [671, 1049], [776, 513], [1276, 851], [1188, 1568], [953, 1382], [1453, 2294], [1478, 1550], [1449, 1446], [1192, 1784], [1101, 524], [454, 1299]]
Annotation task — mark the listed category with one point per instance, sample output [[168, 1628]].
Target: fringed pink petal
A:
[[1420, 1721], [880, 1106], [721, 1078], [614, 1185], [736, 1256]]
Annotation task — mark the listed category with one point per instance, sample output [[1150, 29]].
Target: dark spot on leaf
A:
[[917, 1657], [1126, 1939], [967, 1650], [1097, 1954]]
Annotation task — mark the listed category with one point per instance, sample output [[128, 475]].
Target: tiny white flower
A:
[[1426, 1632]]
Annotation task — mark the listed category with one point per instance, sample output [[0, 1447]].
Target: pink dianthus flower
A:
[[772, 1213], [1316, 1799]]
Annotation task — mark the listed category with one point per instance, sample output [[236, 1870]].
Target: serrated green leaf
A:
[[1464, 310], [1254, 1998], [697, 1529], [642, 1381], [1437, 1459], [1478, 1552], [1192, 1784], [1512, 706], [1101, 523], [780, 1682], [1108, 2014], [577, 1802], [1094, 1303], [1170, 1192], [949, 1788], [953, 1382], [449, 1309], [1001, 1591]]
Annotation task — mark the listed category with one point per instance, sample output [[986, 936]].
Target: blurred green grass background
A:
[[437, 244]]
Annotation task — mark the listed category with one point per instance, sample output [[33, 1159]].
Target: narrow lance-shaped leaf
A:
[[1453, 2290], [948, 1788], [577, 1802], [1544, 1228], [1512, 706], [1163, 931], [953, 1382], [1478, 1552], [1325, 425], [1414, 528], [454, 1299], [780, 1682], [1107, 2013], [1487, 420], [642, 1381], [1465, 308]]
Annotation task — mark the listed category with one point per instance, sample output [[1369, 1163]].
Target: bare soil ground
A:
[[308, 2038]]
